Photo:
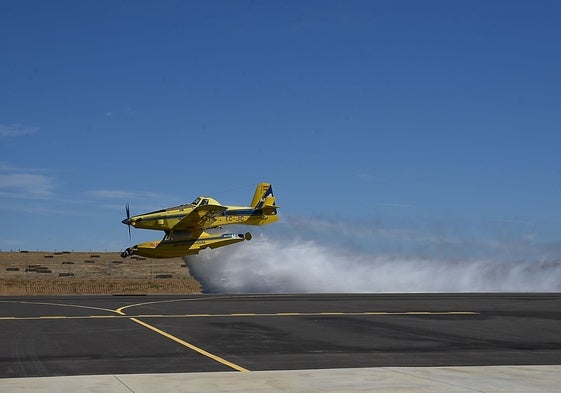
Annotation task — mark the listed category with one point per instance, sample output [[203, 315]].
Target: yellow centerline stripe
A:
[[191, 346], [279, 314], [377, 313], [462, 313], [65, 305]]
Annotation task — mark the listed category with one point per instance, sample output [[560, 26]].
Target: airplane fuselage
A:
[[166, 219]]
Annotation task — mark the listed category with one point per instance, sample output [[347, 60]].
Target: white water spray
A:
[[281, 265]]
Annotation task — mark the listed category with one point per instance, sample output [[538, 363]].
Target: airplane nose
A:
[[127, 221]]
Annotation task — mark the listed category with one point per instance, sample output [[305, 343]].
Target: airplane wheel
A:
[[127, 252]]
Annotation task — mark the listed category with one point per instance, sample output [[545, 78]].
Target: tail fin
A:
[[264, 198]]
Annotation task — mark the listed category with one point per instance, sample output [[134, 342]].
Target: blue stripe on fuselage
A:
[[242, 212]]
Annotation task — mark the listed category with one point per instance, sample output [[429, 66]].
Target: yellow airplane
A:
[[185, 225]]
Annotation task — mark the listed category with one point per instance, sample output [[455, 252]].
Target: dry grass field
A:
[[91, 273]]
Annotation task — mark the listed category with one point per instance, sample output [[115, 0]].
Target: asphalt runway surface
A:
[[97, 335]]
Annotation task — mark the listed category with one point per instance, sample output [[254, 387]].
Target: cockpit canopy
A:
[[204, 201], [199, 201]]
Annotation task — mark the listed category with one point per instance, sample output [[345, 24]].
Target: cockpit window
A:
[[196, 201]]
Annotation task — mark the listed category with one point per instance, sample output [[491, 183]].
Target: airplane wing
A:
[[201, 217]]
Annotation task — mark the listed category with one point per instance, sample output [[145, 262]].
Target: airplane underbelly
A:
[[179, 248]]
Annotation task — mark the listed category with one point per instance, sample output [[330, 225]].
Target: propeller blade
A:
[[128, 220]]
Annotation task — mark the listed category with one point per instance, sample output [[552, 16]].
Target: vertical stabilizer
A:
[[263, 196]]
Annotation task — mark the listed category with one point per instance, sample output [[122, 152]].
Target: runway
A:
[[99, 335]]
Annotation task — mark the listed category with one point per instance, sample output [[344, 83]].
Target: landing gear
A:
[[129, 251]]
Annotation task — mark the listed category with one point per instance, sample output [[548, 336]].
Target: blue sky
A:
[[400, 126]]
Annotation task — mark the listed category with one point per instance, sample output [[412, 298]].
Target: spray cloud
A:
[[283, 263]]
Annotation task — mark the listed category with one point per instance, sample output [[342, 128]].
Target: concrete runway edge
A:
[[486, 379]]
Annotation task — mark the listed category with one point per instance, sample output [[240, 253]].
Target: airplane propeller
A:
[[127, 221]]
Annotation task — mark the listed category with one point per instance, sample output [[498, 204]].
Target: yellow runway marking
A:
[[64, 305], [120, 309], [253, 315], [462, 313], [191, 346]]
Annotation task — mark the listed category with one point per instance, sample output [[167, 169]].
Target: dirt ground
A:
[[91, 273]]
